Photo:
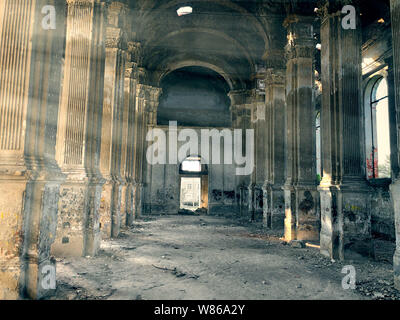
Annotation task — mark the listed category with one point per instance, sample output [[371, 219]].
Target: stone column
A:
[[140, 137], [394, 161], [129, 137], [30, 69], [138, 77], [113, 112], [345, 200], [251, 187], [395, 187], [301, 196], [258, 176], [151, 106], [240, 120], [274, 200], [79, 130]]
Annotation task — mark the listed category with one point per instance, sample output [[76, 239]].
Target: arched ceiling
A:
[[227, 36]]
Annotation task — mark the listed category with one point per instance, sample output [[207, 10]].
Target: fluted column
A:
[[30, 69], [301, 197], [258, 177], [395, 187], [130, 108], [112, 123], [274, 201], [140, 143], [79, 130], [345, 202]]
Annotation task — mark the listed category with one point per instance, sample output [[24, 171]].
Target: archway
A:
[[193, 184], [196, 97]]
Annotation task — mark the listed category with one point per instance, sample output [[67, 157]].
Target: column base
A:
[[301, 213], [41, 209], [395, 193], [110, 209], [396, 268], [274, 204], [138, 200], [28, 220], [346, 222], [11, 235], [266, 208], [130, 205], [78, 227], [123, 206]]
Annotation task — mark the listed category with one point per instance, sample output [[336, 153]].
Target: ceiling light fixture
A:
[[184, 11]]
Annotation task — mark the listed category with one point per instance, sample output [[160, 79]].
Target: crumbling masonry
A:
[[77, 101]]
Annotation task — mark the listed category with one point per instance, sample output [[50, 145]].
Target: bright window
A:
[[378, 134], [191, 165]]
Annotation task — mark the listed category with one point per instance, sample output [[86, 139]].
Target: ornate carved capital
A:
[[275, 76], [113, 37], [142, 75], [136, 51], [294, 52]]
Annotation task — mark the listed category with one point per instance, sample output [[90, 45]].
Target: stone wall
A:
[[162, 185]]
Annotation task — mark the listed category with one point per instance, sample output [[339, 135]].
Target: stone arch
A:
[[225, 3], [195, 63], [213, 32]]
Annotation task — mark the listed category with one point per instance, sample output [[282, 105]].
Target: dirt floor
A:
[[208, 258]]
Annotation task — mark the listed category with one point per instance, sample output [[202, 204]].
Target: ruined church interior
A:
[[199, 150]]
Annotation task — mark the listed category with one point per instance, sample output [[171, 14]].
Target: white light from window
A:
[[191, 166], [184, 11]]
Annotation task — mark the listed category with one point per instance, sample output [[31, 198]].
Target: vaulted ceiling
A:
[[227, 36]]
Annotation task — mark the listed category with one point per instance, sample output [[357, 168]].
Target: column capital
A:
[[142, 75], [81, 2], [115, 14], [131, 70], [301, 42], [237, 96], [136, 52], [113, 38], [155, 93], [274, 59], [275, 76]]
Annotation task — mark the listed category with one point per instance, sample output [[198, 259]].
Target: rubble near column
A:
[[30, 65], [395, 187], [112, 122], [345, 195], [79, 130], [301, 196]]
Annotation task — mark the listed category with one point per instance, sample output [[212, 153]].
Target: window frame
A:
[[371, 87]]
